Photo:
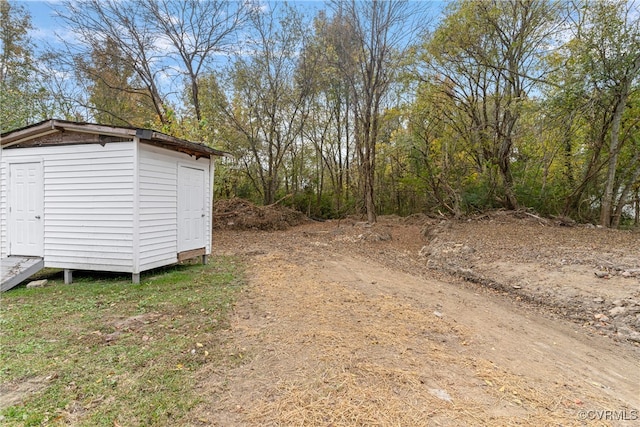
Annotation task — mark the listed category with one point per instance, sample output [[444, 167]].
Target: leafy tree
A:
[[329, 127], [610, 46], [21, 95], [594, 94], [114, 94], [436, 157], [488, 54], [508, 103]]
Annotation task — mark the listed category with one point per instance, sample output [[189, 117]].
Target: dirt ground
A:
[[505, 319]]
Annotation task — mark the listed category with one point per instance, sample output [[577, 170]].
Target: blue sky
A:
[[42, 18], [45, 24]]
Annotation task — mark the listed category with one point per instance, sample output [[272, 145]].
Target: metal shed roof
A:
[[28, 137]]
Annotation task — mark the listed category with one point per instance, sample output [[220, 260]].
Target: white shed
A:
[[82, 196]]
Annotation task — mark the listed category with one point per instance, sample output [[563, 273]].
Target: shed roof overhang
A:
[[28, 137]]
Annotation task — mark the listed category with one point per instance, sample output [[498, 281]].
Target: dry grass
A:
[[337, 355]]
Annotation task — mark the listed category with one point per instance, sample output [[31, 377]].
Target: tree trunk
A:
[[568, 153], [573, 200], [196, 97], [607, 199], [626, 192], [504, 164], [614, 145], [637, 218]]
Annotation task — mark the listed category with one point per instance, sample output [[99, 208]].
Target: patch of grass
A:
[[105, 352]]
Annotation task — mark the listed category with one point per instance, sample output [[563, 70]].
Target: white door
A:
[[191, 203], [26, 222]]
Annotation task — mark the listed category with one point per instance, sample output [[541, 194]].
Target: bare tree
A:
[[198, 30], [151, 35], [269, 105], [95, 21], [379, 33]]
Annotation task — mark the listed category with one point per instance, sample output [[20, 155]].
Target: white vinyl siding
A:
[[4, 201], [4, 214], [88, 204], [158, 208]]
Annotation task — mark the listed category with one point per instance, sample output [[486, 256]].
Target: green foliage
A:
[[21, 95], [315, 207], [598, 75]]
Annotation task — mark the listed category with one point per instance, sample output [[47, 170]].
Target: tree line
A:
[[370, 107]]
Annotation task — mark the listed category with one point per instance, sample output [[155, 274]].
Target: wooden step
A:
[[16, 269]]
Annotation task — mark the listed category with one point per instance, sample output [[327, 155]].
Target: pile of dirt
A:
[[240, 214]]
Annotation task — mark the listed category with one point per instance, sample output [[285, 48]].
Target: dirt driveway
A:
[[343, 324]]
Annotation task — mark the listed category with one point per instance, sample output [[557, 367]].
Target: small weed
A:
[[107, 352]]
